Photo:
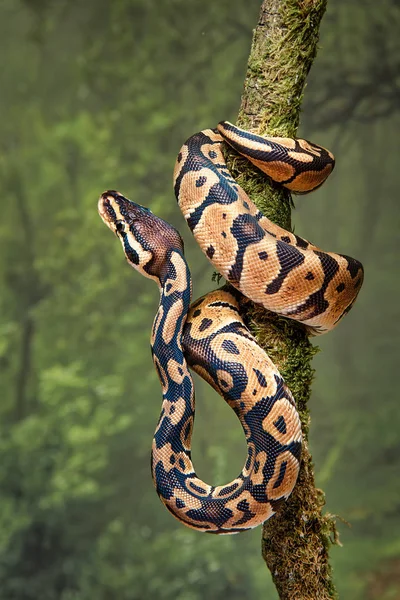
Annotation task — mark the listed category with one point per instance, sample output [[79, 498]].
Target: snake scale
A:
[[263, 262]]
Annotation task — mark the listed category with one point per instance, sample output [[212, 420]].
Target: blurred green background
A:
[[101, 94]]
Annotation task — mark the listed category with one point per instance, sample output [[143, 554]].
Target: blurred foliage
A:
[[101, 95]]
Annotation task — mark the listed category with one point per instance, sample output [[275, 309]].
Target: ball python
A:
[[261, 261]]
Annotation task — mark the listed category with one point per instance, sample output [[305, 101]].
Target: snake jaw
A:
[[106, 210], [115, 209]]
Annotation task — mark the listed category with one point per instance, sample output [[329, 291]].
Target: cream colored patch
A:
[[339, 301], [218, 296], [183, 463], [258, 478], [220, 488], [220, 315], [288, 143], [283, 408], [225, 380], [215, 149], [197, 331], [276, 169], [258, 273], [190, 501], [253, 359], [316, 150], [263, 145], [178, 284], [301, 157], [214, 230], [265, 370], [252, 208], [311, 264], [170, 323], [309, 180], [174, 410], [295, 288], [176, 371], [286, 486], [188, 425], [192, 196], [262, 511], [164, 455], [213, 135]]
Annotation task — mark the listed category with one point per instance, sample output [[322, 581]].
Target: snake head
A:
[[146, 239]]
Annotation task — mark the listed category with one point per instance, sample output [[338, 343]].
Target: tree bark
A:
[[296, 541]]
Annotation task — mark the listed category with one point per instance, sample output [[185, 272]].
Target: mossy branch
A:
[[295, 542]]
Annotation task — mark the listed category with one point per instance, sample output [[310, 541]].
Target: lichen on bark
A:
[[296, 541]]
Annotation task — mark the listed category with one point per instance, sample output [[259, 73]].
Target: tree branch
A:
[[295, 542]]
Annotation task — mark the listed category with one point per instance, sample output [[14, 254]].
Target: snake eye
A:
[[120, 226]]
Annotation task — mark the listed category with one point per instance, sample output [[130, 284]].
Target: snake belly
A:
[[269, 265]]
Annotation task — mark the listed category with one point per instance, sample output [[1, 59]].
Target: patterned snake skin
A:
[[267, 264]]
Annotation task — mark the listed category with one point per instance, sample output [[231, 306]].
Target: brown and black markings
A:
[[270, 266]]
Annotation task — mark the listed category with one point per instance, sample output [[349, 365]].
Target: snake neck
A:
[[175, 285]]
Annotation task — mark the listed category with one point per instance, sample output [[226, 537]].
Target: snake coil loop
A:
[[267, 264]]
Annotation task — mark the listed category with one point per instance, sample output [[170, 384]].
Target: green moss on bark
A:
[[295, 542]]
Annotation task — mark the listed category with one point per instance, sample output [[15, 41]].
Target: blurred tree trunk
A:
[[295, 542]]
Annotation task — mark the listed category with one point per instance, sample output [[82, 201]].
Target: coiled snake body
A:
[[267, 264]]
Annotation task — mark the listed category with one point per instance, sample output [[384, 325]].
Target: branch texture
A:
[[296, 541]]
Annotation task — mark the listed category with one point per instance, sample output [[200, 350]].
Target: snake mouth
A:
[[113, 207], [105, 207]]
